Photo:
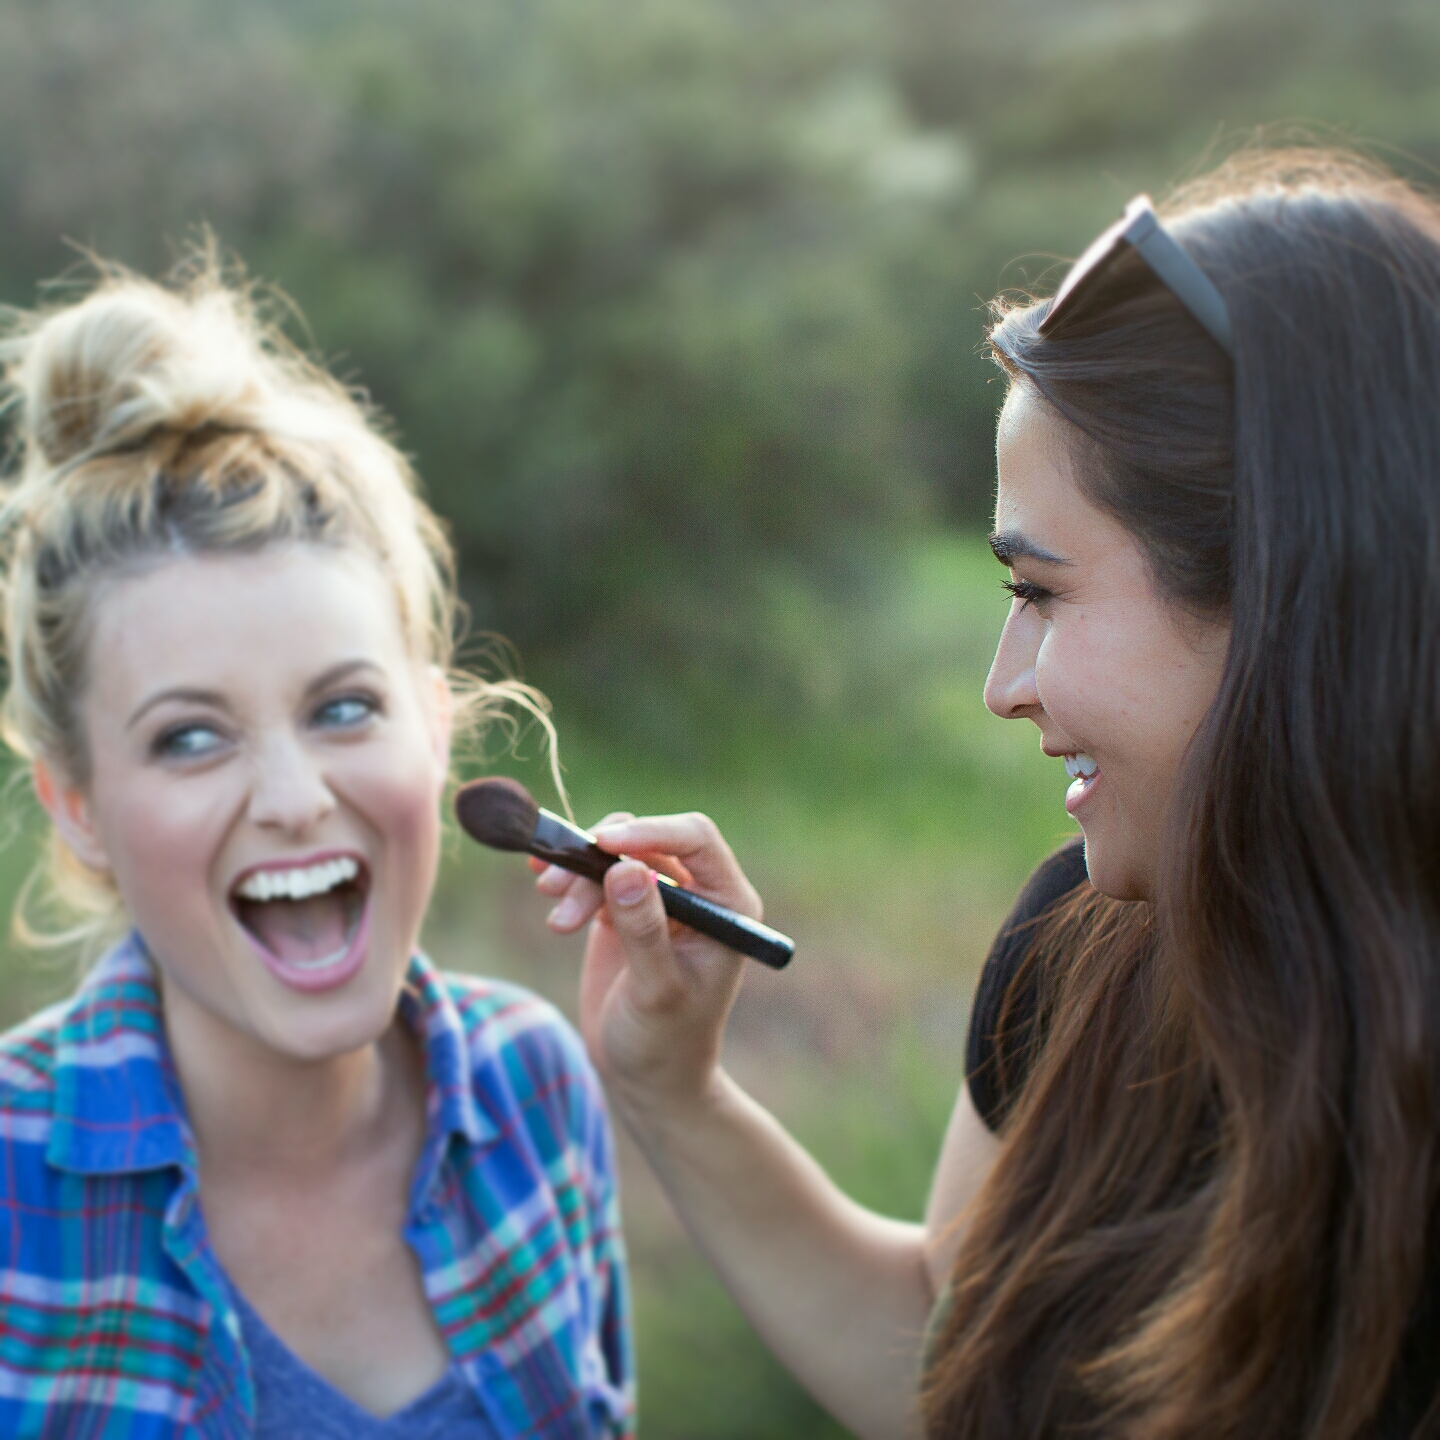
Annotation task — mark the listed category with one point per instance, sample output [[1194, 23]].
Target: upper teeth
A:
[[1080, 764], [299, 884]]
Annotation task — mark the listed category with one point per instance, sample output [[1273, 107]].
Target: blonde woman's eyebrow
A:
[[1012, 545], [185, 694], [337, 673], [190, 695]]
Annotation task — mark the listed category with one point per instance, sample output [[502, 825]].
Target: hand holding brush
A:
[[502, 814]]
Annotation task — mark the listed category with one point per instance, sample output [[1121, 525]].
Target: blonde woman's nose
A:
[[289, 791]]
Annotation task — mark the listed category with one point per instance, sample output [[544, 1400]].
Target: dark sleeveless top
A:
[[996, 1064]]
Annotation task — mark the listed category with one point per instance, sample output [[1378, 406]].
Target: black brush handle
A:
[[559, 842], [739, 932]]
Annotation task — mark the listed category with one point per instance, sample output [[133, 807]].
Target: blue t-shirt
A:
[[292, 1402]]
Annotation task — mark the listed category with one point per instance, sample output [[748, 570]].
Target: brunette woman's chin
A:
[[1118, 863]]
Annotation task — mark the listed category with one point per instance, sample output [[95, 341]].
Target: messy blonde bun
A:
[[151, 421]]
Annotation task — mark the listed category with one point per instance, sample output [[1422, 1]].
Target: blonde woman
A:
[[267, 1172]]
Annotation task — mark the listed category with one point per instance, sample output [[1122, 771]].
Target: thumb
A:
[[638, 918]]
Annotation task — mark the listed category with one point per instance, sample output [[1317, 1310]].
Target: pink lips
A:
[[1079, 792], [314, 978]]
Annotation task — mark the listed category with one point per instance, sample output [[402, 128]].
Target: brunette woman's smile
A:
[[1084, 776]]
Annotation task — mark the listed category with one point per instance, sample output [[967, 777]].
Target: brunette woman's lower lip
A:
[[1080, 791], [314, 980]]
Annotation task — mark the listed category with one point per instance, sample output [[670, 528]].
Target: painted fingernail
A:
[[630, 884]]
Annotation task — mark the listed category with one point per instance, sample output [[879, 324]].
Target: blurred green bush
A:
[[676, 301], [678, 304]]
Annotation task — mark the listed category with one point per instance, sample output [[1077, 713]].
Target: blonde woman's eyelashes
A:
[[348, 712], [189, 740], [199, 739]]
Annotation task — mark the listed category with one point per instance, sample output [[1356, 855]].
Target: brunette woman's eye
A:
[[1026, 591], [346, 712], [187, 742]]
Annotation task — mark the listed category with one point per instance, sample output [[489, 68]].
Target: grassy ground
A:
[[888, 834]]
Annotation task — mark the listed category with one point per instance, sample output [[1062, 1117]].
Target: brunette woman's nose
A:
[[288, 792], [1010, 689]]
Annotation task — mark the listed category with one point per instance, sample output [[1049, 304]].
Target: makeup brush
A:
[[502, 814]]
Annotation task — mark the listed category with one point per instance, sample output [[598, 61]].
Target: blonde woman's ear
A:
[[441, 710], [69, 810]]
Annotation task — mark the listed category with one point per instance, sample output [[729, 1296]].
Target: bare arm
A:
[[967, 1157], [839, 1293]]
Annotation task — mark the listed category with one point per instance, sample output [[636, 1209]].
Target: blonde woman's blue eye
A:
[[188, 742], [345, 712]]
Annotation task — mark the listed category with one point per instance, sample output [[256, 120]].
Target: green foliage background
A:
[[679, 305]]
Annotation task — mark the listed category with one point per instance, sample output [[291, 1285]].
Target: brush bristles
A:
[[498, 812]]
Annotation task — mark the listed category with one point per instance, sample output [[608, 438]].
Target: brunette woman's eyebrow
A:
[[1010, 546]]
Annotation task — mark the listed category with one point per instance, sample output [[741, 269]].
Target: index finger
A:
[[692, 838]]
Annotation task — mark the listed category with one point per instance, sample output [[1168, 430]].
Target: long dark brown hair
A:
[[1211, 1210]]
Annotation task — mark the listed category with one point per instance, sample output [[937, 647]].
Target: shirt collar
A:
[[427, 1006], [118, 1107], [117, 1103]]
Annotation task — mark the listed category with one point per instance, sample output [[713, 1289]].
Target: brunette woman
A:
[[1190, 1188]]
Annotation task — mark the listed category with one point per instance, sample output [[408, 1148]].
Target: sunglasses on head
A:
[[1140, 230]]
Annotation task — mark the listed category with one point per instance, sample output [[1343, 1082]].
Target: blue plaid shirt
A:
[[115, 1319]]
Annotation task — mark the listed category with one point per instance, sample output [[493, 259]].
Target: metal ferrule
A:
[[559, 842]]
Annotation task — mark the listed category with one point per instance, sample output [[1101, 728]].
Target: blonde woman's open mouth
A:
[[308, 919]]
